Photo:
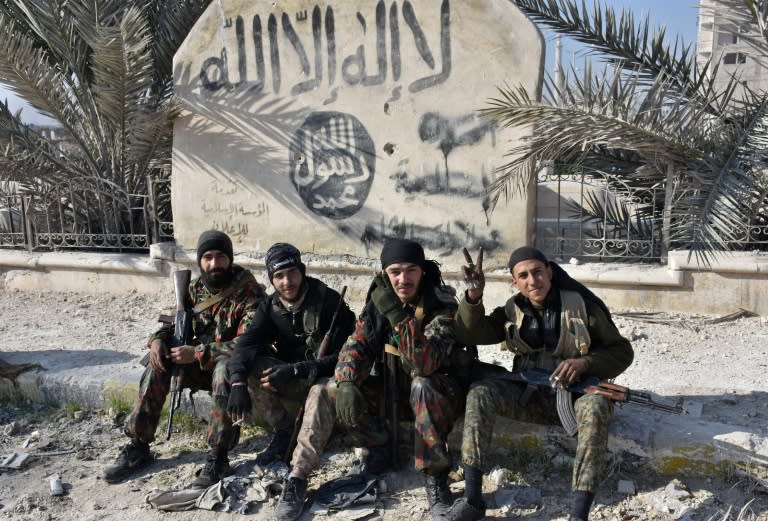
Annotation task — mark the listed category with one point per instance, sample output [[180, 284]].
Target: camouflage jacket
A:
[[217, 328], [423, 350]]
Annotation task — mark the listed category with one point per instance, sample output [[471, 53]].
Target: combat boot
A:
[[291, 502], [277, 447], [463, 510], [215, 468], [439, 497], [377, 461], [133, 456]]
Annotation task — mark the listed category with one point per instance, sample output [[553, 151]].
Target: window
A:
[[733, 58]]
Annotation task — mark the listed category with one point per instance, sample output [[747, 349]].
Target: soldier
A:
[[276, 358], [410, 312], [552, 323], [228, 296]]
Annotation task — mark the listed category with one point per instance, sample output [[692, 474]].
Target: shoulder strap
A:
[[218, 297]]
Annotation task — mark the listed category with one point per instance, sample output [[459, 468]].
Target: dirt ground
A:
[[722, 363]]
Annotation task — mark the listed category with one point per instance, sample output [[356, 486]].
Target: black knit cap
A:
[[214, 240], [282, 255], [525, 253], [402, 250]]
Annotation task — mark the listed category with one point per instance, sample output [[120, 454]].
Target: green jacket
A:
[[608, 356]]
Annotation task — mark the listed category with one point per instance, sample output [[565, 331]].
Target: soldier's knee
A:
[[595, 406]]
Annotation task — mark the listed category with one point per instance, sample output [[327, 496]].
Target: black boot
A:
[[215, 468], [291, 502], [133, 456], [277, 447], [377, 461], [439, 497]]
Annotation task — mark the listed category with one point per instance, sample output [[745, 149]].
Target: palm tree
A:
[[103, 70], [654, 108]]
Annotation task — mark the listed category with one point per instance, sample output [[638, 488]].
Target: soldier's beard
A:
[[218, 278]]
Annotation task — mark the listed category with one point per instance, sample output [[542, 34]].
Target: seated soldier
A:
[[411, 312], [553, 323], [228, 296], [277, 357]]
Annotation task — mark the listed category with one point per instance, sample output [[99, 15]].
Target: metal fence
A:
[[86, 214], [599, 217]]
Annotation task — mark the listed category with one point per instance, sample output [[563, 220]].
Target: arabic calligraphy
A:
[[324, 66], [332, 162]]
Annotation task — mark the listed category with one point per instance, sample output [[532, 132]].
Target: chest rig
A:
[[301, 328], [573, 342]]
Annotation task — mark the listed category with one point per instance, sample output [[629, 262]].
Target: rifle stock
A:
[[325, 344], [182, 335]]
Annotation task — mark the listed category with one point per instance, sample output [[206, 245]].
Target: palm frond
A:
[[627, 43]]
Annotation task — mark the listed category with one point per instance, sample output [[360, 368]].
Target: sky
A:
[[679, 16]]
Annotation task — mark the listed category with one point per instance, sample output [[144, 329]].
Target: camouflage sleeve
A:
[[423, 354], [356, 356]]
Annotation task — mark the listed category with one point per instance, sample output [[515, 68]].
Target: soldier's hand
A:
[[239, 403], [275, 378], [386, 300], [350, 403], [473, 276], [157, 355], [183, 354], [568, 372]]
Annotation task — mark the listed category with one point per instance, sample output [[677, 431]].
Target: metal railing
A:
[[86, 214], [597, 217]]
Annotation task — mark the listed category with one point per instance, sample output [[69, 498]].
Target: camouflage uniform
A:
[[435, 395], [608, 355], [215, 331], [279, 336]]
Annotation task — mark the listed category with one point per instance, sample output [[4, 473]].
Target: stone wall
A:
[[336, 125]]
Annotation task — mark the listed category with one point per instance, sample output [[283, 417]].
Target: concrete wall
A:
[[336, 124], [732, 282]]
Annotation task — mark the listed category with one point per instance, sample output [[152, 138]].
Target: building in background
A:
[[727, 37]]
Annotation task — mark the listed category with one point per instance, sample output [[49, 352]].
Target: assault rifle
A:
[[325, 345], [182, 335], [538, 379]]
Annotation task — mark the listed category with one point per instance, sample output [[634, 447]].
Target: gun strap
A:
[[218, 297], [392, 350], [566, 412]]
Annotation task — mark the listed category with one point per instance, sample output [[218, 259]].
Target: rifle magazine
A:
[[566, 411]]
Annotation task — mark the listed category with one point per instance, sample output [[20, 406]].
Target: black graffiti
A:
[[449, 134], [214, 72], [446, 239], [332, 163]]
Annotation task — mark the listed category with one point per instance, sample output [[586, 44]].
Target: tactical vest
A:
[[574, 338], [311, 310]]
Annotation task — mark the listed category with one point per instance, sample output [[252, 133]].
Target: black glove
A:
[[386, 301], [350, 403], [239, 400], [281, 375]]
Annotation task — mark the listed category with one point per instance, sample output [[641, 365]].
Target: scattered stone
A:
[[626, 487]]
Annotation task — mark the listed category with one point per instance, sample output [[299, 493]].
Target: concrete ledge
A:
[[674, 445]]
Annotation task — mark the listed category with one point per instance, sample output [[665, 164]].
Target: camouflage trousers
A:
[[435, 402], [154, 389], [490, 397], [269, 406]]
